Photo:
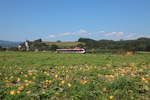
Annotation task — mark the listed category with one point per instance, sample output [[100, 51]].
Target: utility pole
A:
[[27, 45]]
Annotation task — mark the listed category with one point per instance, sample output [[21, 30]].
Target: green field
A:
[[54, 76], [64, 44]]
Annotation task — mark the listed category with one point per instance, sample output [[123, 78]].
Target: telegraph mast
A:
[[27, 45]]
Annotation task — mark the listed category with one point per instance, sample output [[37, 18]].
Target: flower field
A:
[[50, 76]]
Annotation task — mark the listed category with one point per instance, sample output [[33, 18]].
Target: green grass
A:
[[54, 76], [39, 59]]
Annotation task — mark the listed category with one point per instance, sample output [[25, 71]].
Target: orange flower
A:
[[21, 87], [143, 79], [83, 81]]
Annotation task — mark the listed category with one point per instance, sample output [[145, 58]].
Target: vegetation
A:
[[64, 44], [54, 47], [45, 75], [92, 46], [141, 44], [2, 49]]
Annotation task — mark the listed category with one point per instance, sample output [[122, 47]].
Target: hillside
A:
[[63, 44], [140, 44], [9, 43]]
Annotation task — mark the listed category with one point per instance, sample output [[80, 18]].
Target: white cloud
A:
[[95, 35], [115, 34], [100, 32], [51, 36], [82, 32], [66, 34], [135, 36], [130, 36]]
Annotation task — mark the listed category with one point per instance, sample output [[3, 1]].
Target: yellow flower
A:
[[146, 81], [21, 87], [62, 82], [45, 86], [56, 76], [13, 92], [104, 89], [43, 92], [45, 72], [69, 85], [27, 81], [27, 84], [18, 92], [11, 77], [28, 92], [111, 97], [25, 75], [48, 81], [34, 77], [18, 79]]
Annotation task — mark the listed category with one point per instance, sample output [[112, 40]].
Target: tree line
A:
[[140, 44], [36, 45]]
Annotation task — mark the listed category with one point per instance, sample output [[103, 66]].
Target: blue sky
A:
[[68, 20]]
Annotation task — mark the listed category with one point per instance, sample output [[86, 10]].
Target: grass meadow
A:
[[54, 76]]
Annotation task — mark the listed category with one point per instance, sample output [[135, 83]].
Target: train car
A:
[[71, 50]]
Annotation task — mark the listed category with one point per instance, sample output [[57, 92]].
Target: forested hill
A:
[[9, 43], [140, 44]]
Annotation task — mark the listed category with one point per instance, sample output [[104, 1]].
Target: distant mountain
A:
[[9, 43]]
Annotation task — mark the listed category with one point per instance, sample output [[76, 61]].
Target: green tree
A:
[[53, 47], [38, 40]]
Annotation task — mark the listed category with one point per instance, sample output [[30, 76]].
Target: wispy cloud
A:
[[51, 36], [77, 33], [80, 32], [135, 36], [73, 36], [100, 32], [116, 34], [83, 32]]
